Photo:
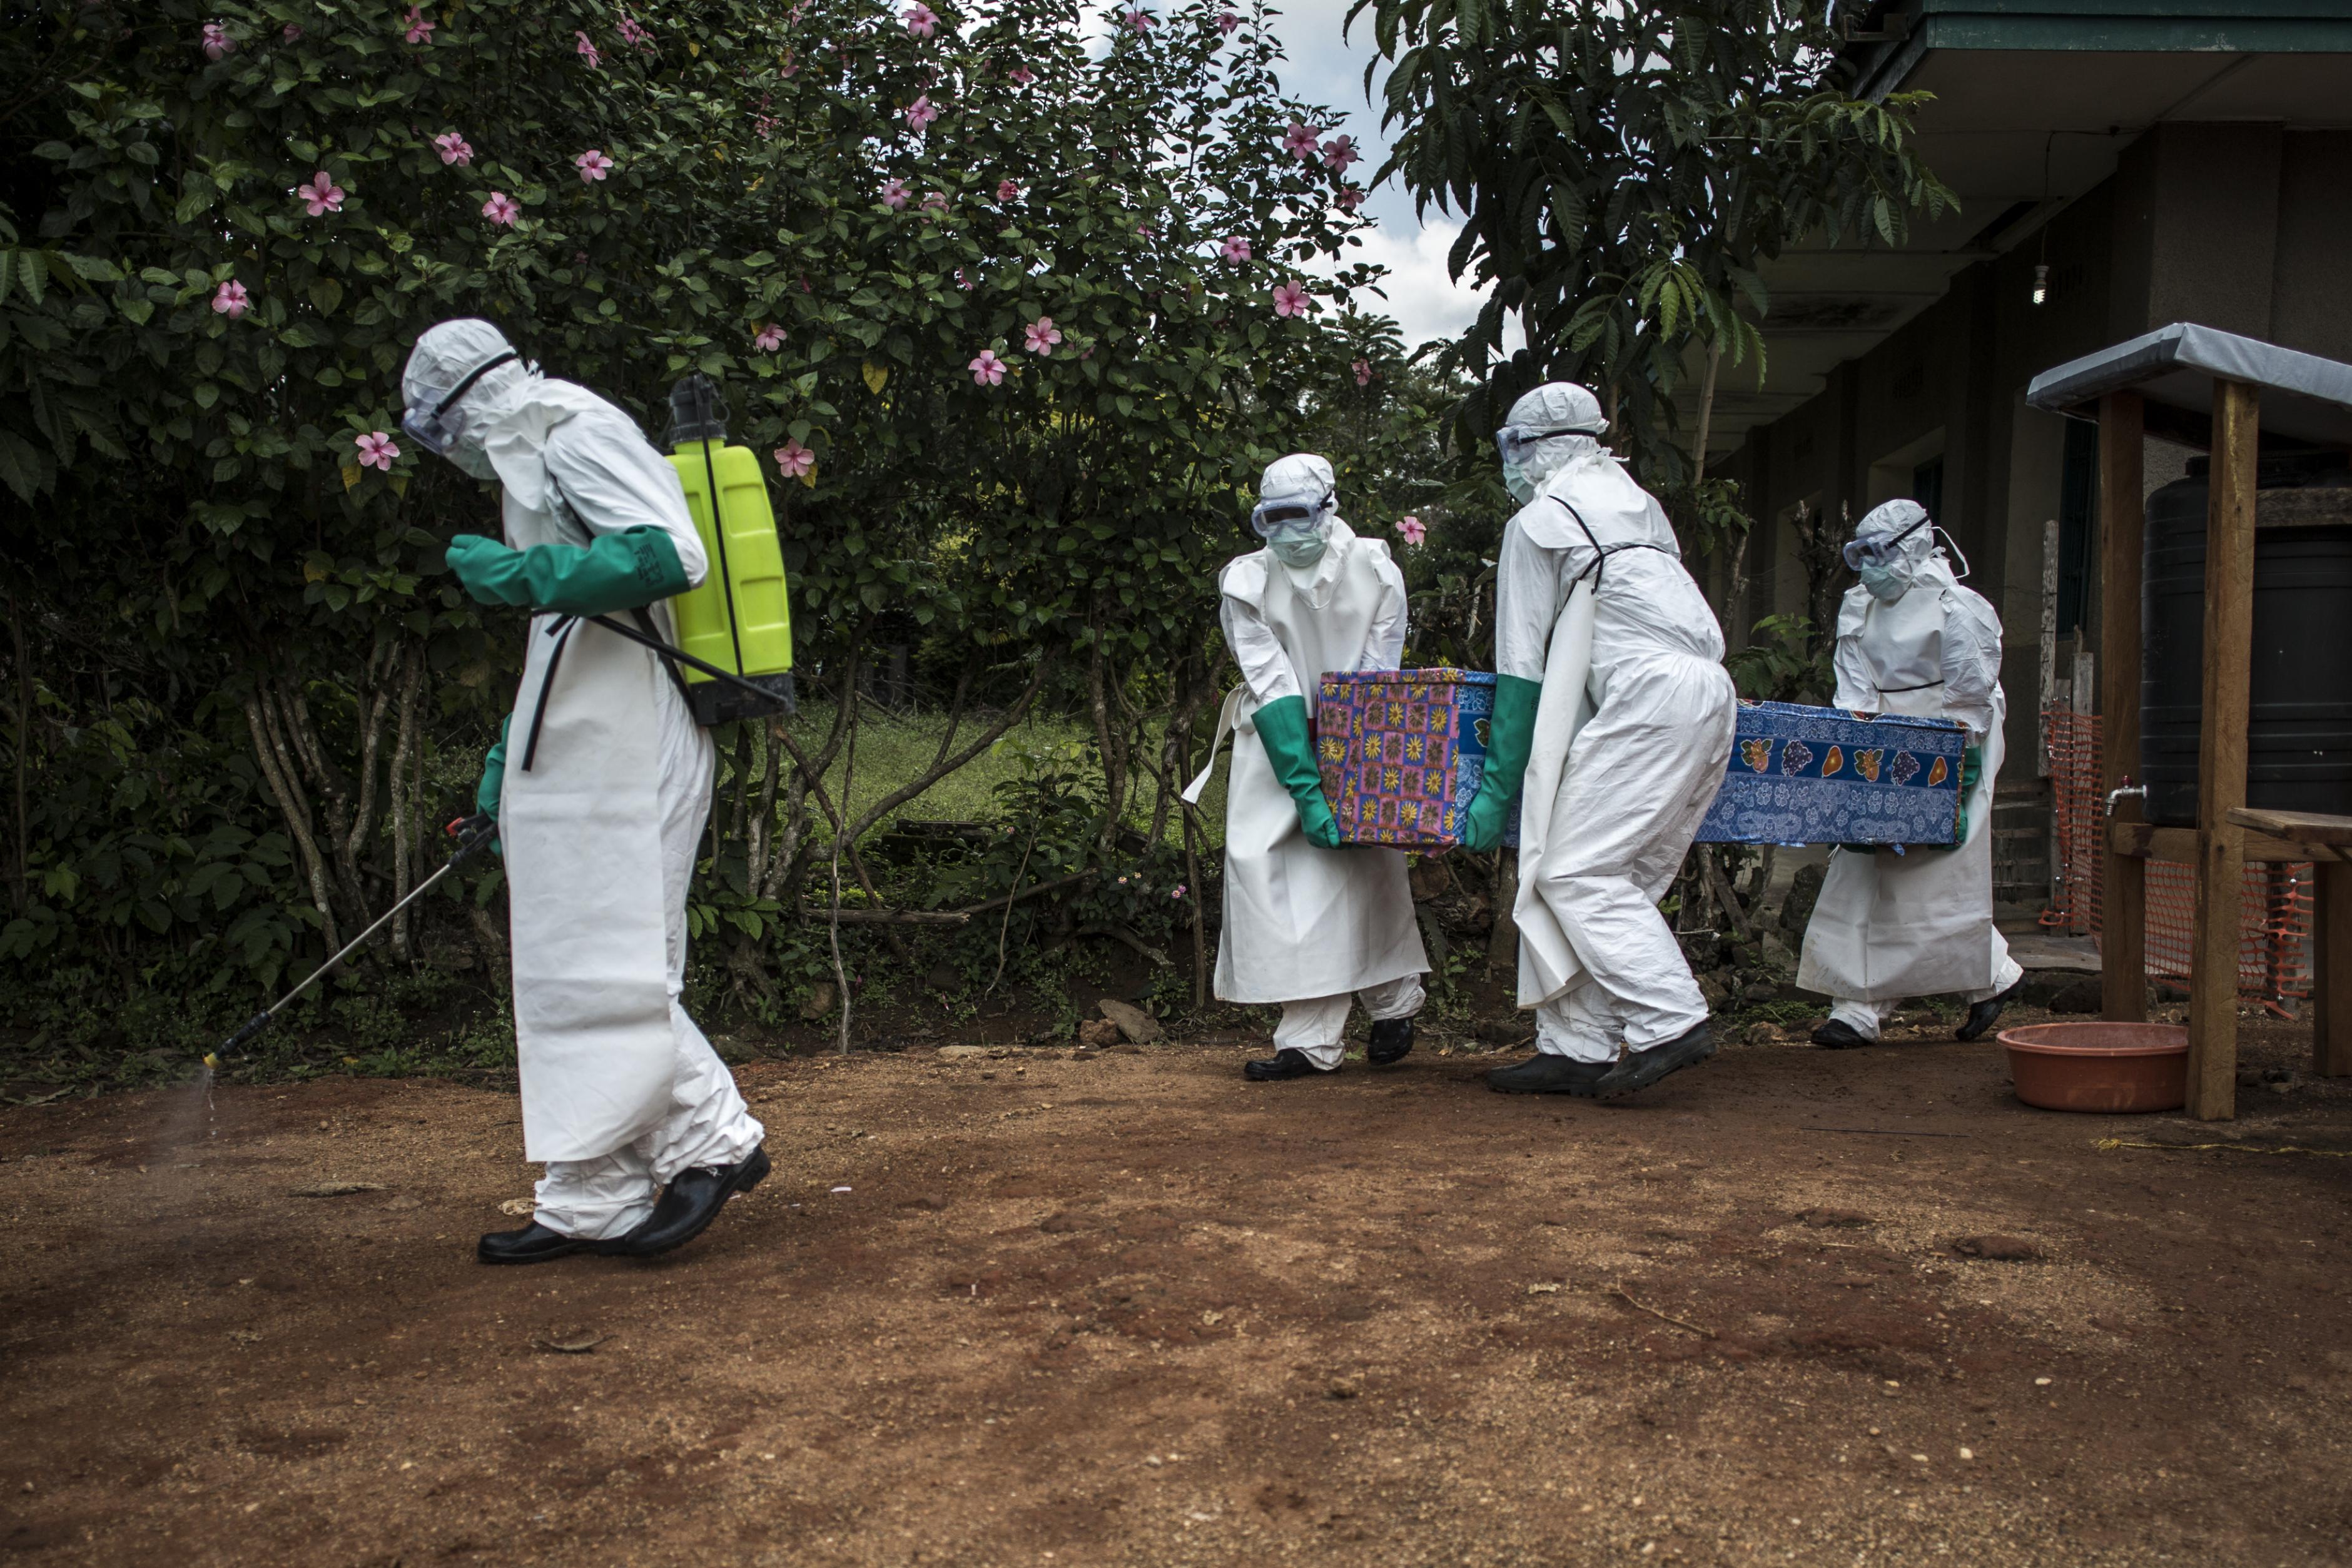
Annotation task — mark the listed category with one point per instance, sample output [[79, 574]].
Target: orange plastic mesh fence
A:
[[2274, 918]]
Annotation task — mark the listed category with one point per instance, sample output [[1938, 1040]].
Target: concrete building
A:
[[2121, 164]]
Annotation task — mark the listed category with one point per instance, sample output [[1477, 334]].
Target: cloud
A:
[[1425, 301]]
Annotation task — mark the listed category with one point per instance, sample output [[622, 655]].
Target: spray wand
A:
[[471, 833]]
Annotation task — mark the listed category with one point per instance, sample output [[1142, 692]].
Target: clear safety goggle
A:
[[430, 427], [1878, 549], [1514, 439], [1268, 519]]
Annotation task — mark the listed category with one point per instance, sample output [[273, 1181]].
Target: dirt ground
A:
[[1027, 1309]]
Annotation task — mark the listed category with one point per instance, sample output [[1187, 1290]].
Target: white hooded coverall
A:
[[1640, 773], [1308, 928], [1890, 926], [621, 1092]]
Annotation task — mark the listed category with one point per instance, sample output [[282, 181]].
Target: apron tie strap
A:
[[1227, 717]]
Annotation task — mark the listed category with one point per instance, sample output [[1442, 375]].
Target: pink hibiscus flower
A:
[[1350, 199], [1412, 530], [634, 33], [1299, 140], [1290, 299], [920, 113], [292, 33], [1363, 368], [921, 19], [793, 460], [217, 44], [1006, 191], [1228, 20], [420, 30], [987, 369], [501, 210], [1043, 335], [1021, 76], [1338, 152], [231, 301], [768, 339], [1142, 21], [593, 166], [1235, 248], [376, 450], [453, 147], [894, 194], [322, 195], [588, 50]]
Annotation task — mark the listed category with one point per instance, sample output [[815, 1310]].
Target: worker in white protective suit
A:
[[1889, 926], [600, 785], [1308, 925], [1613, 721]]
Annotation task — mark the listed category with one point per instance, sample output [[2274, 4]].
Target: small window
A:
[[1927, 486]]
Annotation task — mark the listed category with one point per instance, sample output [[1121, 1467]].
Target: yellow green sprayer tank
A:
[[741, 618]]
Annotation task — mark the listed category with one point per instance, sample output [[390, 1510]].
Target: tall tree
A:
[[1621, 171]]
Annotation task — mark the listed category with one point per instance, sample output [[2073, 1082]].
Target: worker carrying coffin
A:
[[600, 799], [1309, 926], [1891, 924], [1612, 718]]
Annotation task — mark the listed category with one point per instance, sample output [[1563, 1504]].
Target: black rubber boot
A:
[[1983, 1015], [1838, 1035], [1286, 1062], [1392, 1042], [691, 1201], [535, 1243], [1637, 1070], [1544, 1073]]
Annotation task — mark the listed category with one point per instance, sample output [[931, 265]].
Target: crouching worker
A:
[[600, 785], [1911, 640], [1595, 614], [1308, 925]]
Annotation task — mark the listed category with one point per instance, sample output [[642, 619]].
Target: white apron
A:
[[581, 831], [1301, 921], [1547, 963], [1919, 923]]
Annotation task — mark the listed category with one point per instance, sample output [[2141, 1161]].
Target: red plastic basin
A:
[[2103, 1067]]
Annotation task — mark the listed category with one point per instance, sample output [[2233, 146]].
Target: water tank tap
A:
[[2126, 787]]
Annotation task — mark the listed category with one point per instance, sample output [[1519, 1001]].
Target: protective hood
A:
[[1894, 547], [500, 423], [1551, 430], [1297, 501]]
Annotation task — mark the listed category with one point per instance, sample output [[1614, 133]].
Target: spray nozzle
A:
[[697, 411]]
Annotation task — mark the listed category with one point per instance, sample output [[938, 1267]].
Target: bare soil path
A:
[[1131, 1311]]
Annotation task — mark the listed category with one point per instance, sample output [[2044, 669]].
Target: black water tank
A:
[[2299, 745]]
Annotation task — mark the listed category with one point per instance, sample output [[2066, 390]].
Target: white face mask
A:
[[1886, 583], [1515, 480], [473, 460], [1299, 550]]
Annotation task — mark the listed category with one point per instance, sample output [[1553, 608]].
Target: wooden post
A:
[[2221, 754], [2331, 953], [2123, 937], [2042, 760]]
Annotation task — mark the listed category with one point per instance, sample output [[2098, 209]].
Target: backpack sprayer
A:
[[738, 624]]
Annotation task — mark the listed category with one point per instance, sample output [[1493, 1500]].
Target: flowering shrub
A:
[[1021, 428]]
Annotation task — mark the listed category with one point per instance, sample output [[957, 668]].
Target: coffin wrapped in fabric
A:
[[1800, 775], [1402, 752]]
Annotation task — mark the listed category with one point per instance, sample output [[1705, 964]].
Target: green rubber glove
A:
[[1510, 735], [1971, 769], [619, 571], [494, 782], [1282, 725]]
